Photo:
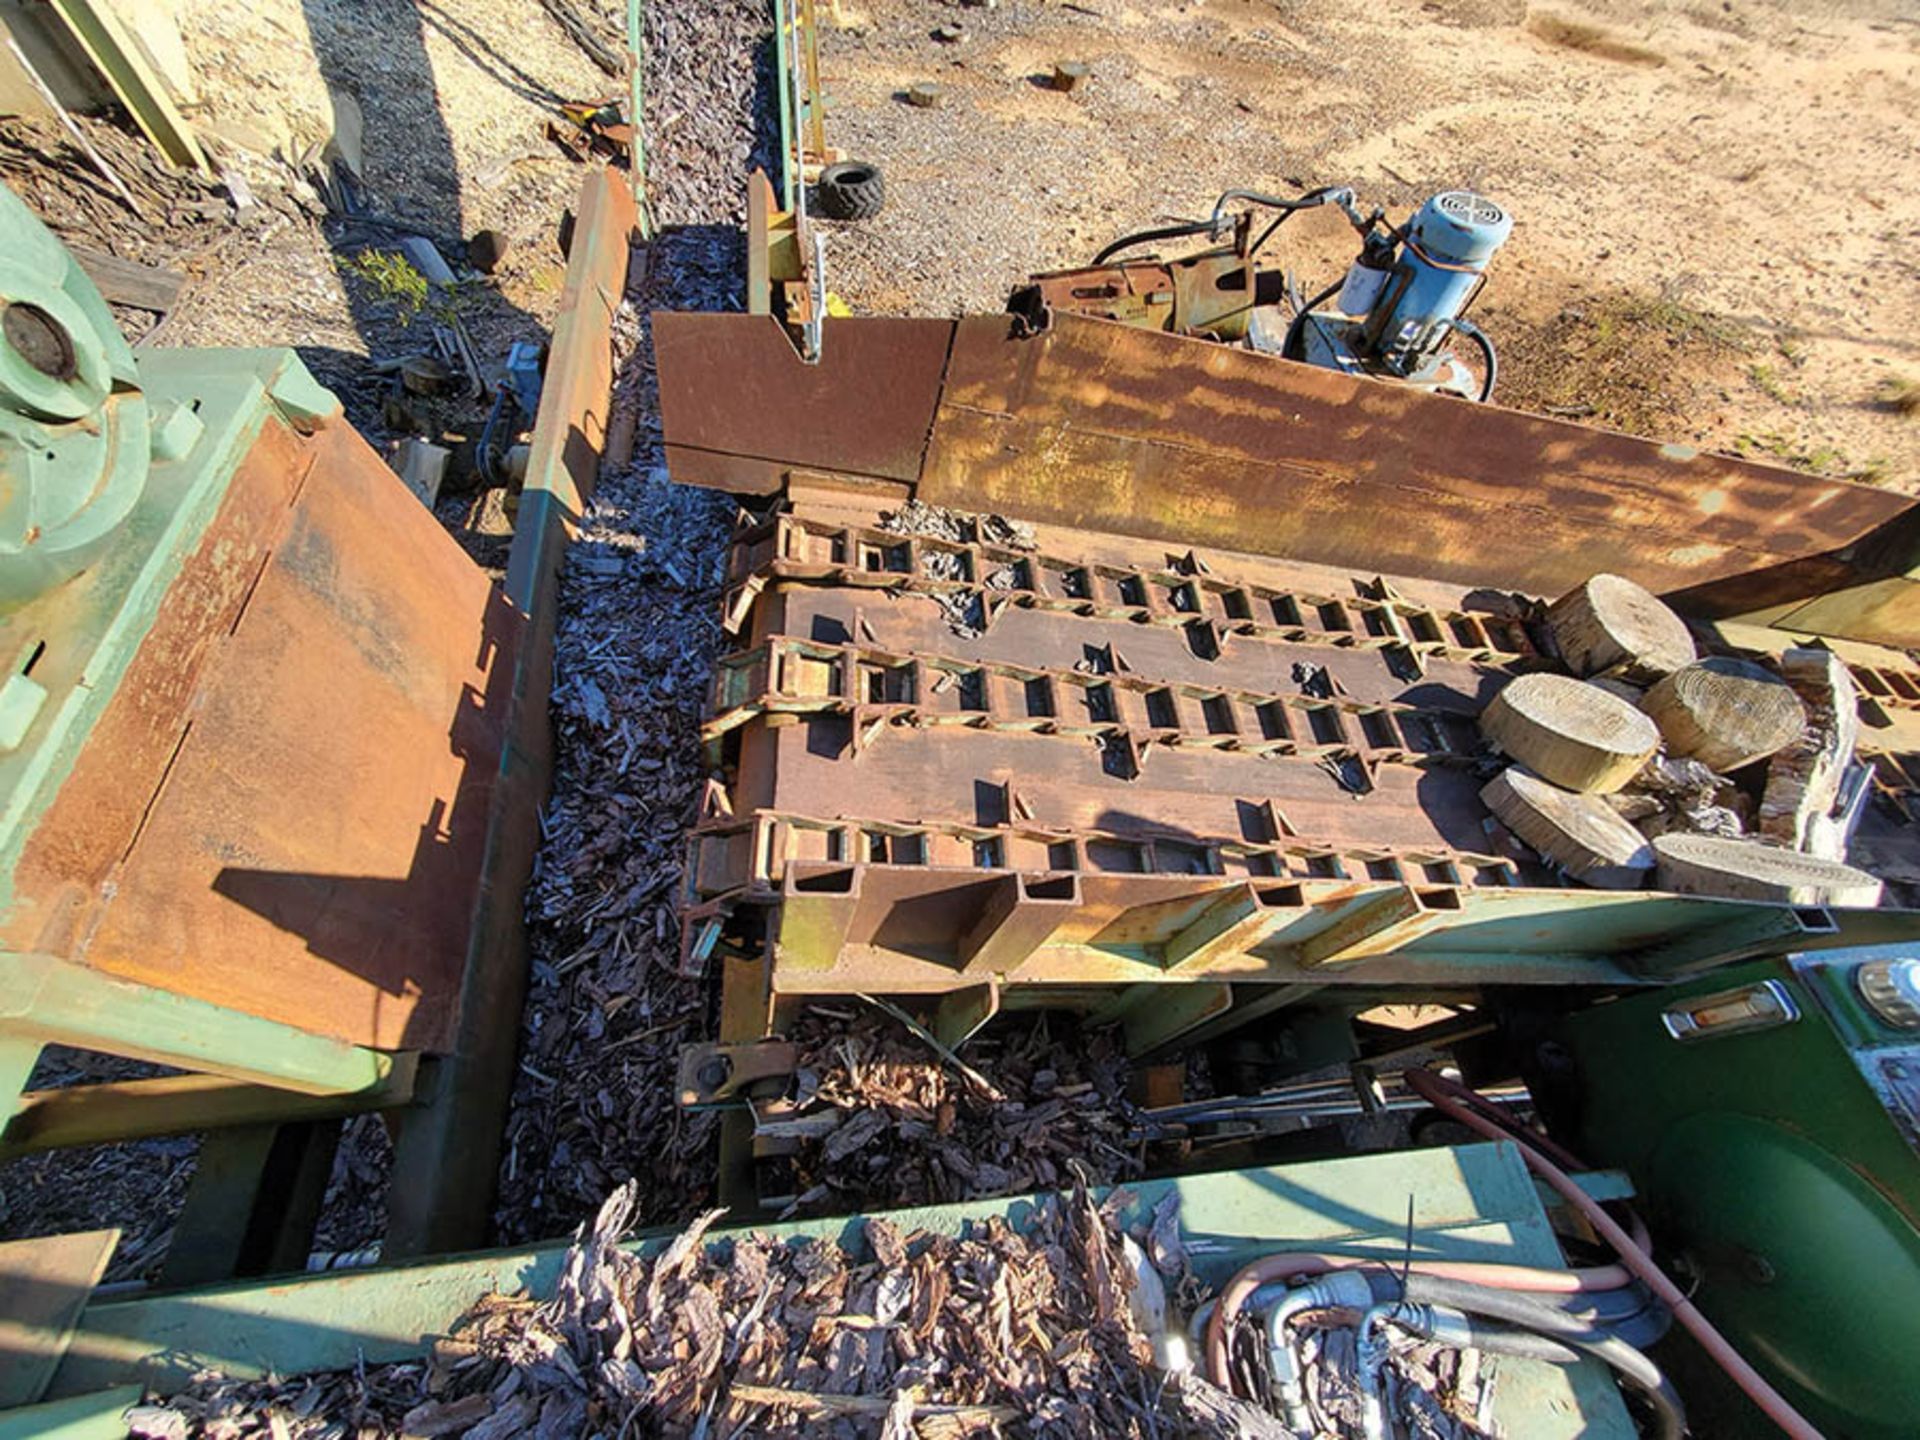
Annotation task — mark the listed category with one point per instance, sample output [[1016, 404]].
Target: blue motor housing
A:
[[1448, 243]]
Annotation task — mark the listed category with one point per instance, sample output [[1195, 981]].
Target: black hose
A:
[[1287, 211], [1289, 347], [1474, 333], [1142, 237], [1529, 1313], [1307, 201]]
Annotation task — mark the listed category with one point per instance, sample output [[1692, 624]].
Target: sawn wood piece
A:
[[1569, 732], [1750, 870], [1725, 713], [1581, 834], [1610, 625]]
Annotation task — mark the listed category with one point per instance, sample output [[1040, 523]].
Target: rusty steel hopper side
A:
[[1099, 425]]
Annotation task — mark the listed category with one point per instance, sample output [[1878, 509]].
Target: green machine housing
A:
[[1770, 1117]]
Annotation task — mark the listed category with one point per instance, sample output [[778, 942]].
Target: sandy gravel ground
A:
[[1717, 202]]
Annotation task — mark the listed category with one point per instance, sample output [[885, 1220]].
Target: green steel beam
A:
[[783, 59], [1473, 1202], [45, 1000], [181, 1105], [98, 1416], [253, 1202]]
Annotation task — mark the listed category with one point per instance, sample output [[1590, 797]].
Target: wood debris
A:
[[1803, 780], [1575, 735], [995, 1331], [914, 1129], [607, 1009]]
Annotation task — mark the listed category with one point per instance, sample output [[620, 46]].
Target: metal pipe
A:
[[1340, 1290]]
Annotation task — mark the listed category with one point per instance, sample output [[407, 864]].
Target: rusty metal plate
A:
[[1100, 425], [308, 822], [733, 390]]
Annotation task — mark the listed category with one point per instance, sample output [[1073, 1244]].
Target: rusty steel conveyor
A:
[[1213, 726]]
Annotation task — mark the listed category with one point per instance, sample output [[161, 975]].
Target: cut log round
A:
[[1611, 626], [1581, 834], [1725, 713], [1749, 870], [1569, 732]]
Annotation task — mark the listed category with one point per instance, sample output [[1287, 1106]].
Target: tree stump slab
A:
[[1750, 870], [1611, 626], [1725, 713], [1573, 734], [1582, 834]]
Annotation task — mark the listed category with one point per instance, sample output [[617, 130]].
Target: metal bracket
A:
[[716, 1074]]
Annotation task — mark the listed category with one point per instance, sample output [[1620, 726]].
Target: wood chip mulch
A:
[[992, 1332], [1033, 1104]]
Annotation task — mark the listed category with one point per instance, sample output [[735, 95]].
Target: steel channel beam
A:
[[447, 1151], [181, 1105], [51, 1001]]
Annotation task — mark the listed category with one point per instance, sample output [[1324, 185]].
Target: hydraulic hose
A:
[[1458, 1102], [1306, 201], [1289, 347], [1529, 1313], [1523, 1328], [1474, 333], [1144, 237], [1282, 1264]]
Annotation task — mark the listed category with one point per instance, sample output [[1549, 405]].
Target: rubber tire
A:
[[851, 190]]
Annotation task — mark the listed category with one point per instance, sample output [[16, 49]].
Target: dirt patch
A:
[[1637, 363], [1714, 177], [1591, 40]]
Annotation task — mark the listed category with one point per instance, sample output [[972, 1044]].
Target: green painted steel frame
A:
[[1473, 1202], [448, 1125]]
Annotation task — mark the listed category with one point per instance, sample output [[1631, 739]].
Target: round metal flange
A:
[[74, 428]]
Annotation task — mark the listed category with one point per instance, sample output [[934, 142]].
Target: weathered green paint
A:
[[97, 1416], [181, 1105], [449, 1146], [46, 999], [1152, 1016], [1769, 1162], [107, 621], [1474, 1202]]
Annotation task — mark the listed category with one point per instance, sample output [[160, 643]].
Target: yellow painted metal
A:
[[117, 55]]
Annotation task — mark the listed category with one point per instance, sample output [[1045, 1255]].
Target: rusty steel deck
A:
[[1090, 765], [238, 828]]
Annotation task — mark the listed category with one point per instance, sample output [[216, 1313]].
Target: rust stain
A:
[[283, 807]]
